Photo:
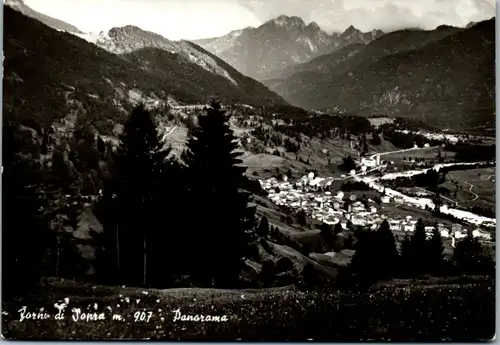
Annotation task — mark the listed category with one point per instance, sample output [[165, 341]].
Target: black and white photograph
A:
[[253, 170]]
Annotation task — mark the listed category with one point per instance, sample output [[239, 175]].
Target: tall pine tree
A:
[[363, 269], [406, 257], [387, 257], [24, 227], [132, 206], [435, 252], [470, 257], [418, 260], [263, 228], [220, 229]]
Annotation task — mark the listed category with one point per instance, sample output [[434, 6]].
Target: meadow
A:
[[476, 186], [429, 154], [422, 310]]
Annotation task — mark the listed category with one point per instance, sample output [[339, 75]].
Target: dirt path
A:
[[470, 191], [167, 134], [487, 177]]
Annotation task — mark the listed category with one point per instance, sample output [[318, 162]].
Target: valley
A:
[[304, 183]]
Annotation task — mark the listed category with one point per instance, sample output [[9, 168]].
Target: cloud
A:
[[337, 15], [174, 19], [192, 19]]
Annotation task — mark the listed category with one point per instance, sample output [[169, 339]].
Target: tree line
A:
[[378, 258]]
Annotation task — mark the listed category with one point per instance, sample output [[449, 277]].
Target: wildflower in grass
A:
[[138, 300], [66, 300], [59, 306], [118, 306], [242, 296], [158, 300]]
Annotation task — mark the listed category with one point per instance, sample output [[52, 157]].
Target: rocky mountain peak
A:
[[288, 22], [14, 3], [351, 30], [314, 26], [263, 52]]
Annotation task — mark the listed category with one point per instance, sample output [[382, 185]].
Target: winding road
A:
[[470, 191]]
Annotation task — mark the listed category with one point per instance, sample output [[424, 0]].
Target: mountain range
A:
[[264, 51], [51, 74], [444, 77]]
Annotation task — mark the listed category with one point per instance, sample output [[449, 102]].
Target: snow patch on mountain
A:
[[305, 41]]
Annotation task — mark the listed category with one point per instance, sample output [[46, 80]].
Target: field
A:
[[476, 187], [399, 311], [428, 154]]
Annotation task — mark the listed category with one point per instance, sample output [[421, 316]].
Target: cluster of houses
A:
[[309, 194], [451, 138]]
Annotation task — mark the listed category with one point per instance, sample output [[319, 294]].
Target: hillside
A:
[[263, 52], [51, 74], [57, 24], [347, 58], [439, 77], [127, 39]]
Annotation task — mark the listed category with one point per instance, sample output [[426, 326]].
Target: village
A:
[[314, 196], [451, 138]]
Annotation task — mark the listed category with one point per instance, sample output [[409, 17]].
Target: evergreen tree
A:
[[406, 256], [375, 138], [263, 228], [132, 206], [418, 260], [101, 147], [348, 164], [387, 257], [24, 228], [337, 229], [45, 142], [435, 251], [437, 203], [362, 271], [302, 217], [62, 175], [326, 232], [221, 228], [190, 124], [470, 257], [310, 278]]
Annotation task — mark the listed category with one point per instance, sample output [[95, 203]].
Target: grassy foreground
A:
[[400, 311]]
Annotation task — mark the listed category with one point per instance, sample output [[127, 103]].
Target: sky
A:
[[195, 19]]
